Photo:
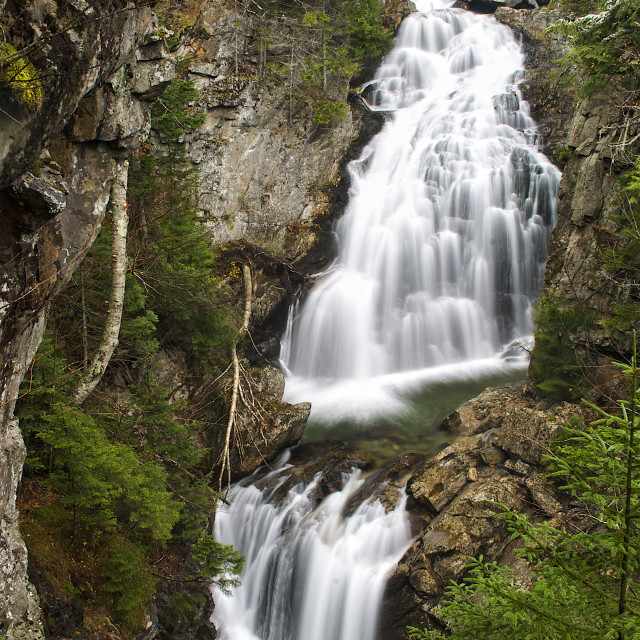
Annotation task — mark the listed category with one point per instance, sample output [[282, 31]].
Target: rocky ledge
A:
[[496, 458]]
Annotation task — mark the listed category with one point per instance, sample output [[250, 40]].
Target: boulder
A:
[[264, 424]]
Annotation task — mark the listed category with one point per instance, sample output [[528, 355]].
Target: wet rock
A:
[[456, 497], [265, 425], [483, 413], [445, 475], [325, 464], [467, 526], [490, 6], [386, 483], [426, 581]]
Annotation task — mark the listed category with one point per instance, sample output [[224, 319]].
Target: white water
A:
[[440, 258], [441, 249], [309, 573]]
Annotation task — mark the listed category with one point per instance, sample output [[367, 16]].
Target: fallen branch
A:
[[226, 464]]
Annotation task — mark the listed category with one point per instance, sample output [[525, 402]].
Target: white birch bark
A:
[[118, 207]]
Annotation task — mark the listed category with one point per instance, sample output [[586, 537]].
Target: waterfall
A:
[[440, 257], [310, 572], [441, 249]]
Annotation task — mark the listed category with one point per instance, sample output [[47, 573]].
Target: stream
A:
[[441, 254]]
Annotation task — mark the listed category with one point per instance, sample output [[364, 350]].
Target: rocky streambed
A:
[[497, 442]]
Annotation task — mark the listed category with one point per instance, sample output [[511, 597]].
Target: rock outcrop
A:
[[267, 172], [265, 425], [594, 140], [56, 169], [452, 499]]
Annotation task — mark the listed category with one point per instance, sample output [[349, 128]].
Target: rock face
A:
[[578, 272], [267, 172], [594, 141], [56, 169], [452, 498]]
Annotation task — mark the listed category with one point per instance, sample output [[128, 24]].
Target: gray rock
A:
[[151, 77], [444, 476], [492, 455], [518, 467], [482, 413], [41, 198], [268, 427], [526, 434]]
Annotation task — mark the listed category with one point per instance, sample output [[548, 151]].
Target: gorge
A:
[[448, 205]]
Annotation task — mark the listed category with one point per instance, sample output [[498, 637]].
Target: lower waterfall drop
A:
[[442, 247], [310, 573]]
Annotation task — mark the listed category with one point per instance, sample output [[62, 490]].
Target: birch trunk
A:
[[118, 207]]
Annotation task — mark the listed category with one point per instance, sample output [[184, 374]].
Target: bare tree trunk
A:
[[85, 337], [226, 465], [118, 207]]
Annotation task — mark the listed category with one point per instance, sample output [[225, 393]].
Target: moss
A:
[[20, 76], [182, 609], [565, 153]]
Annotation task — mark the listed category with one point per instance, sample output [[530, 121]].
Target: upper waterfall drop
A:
[[442, 246]]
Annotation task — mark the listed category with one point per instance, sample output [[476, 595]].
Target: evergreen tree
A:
[[584, 583], [605, 42]]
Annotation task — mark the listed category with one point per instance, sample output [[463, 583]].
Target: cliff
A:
[[99, 66], [270, 179], [267, 176]]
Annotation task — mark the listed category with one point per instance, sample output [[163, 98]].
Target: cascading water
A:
[[442, 247], [310, 573], [440, 257]]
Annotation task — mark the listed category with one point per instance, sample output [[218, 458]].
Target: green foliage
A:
[[584, 583], [556, 366], [171, 256], [172, 113], [624, 255], [20, 76], [565, 153], [369, 38], [326, 49], [327, 111], [127, 581], [605, 44], [182, 609], [220, 563], [128, 467], [104, 482]]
